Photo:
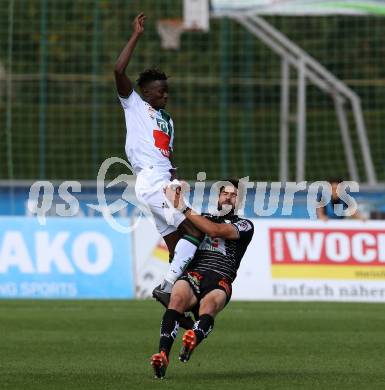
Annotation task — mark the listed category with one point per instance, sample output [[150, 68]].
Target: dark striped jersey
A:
[[221, 255]]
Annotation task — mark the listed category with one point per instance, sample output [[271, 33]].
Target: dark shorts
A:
[[203, 282]]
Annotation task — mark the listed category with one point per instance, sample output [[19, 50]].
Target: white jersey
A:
[[150, 134]]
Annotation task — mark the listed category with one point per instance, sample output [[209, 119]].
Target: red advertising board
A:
[[327, 253]]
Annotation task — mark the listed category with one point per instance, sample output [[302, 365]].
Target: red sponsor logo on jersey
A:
[[226, 286], [162, 142], [196, 275], [215, 242], [327, 247]]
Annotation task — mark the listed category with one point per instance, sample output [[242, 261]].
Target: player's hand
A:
[[174, 193], [139, 24]]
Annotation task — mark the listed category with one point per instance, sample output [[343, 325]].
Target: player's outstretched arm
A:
[[123, 83], [222, 230]]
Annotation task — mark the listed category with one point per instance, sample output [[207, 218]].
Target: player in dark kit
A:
[[207, 280]]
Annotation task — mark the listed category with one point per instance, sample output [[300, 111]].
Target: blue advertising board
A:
[[65, 258]]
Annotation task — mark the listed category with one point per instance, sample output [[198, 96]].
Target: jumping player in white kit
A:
[[149, 143]]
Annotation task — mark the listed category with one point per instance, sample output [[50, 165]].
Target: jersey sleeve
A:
[[245, 229], [130, 101]]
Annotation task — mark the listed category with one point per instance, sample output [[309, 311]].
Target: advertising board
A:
[[66, 258], [298, 260]]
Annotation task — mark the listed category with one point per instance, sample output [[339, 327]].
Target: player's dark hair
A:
[[335, 179], [149, 75], [233, 181]]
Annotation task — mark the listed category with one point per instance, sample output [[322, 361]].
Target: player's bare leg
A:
[[210, 306], [171, 240], [213, 303], [182, 299]]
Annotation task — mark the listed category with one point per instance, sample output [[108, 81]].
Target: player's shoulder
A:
[[243, 224], [165, 115], [132, 94], [131, 100]]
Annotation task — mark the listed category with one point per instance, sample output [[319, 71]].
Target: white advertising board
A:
[[150, 256], [313, 260], [299, 260]]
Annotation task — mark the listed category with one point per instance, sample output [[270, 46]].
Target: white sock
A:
[[183, 254]]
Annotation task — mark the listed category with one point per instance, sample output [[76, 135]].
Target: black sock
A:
[[203, 327], [195, 311], [168, 330]]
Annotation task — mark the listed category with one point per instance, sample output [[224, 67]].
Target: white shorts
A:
[[149, 190]]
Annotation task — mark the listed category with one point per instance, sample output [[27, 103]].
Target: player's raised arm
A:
[[123, 83]]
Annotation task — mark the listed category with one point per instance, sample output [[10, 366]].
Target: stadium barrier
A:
[[297, 260]]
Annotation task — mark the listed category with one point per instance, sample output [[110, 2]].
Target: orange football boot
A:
[[189, 342], [159, 363]]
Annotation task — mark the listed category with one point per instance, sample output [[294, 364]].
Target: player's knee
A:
[[209, 307], [178, 302], [212, 304]]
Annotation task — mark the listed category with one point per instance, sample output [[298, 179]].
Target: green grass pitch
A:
[[107, 345]]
